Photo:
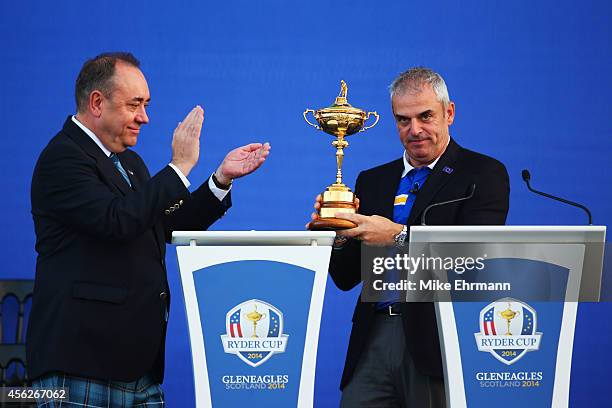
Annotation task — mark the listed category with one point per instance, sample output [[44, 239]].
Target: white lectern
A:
[[254, 302], [514, 347]]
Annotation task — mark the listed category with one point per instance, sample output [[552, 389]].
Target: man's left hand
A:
[[242, 161], [371, 229]]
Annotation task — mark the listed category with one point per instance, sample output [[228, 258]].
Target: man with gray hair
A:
[[393, 358]]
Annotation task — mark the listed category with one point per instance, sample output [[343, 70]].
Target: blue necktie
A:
[[406, 194], [405, 197], [119, 167]]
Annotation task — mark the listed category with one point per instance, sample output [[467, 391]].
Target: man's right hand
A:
[[186, 141]]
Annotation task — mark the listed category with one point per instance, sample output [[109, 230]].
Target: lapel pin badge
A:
[[447, 170], [130, 172]]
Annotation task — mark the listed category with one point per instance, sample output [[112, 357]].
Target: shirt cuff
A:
[[219, 193], [181, 175]]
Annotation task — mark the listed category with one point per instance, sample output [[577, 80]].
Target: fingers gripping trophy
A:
[[339, 120]]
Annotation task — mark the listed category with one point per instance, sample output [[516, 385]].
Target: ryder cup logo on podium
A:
[[508, 330], [254, 332]]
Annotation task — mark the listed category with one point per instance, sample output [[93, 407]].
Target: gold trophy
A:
[[508, 315], [340, 120], [255, 317]]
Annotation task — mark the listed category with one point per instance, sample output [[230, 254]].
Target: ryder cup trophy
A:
[[339, 120]]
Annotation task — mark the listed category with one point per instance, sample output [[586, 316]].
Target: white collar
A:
[[92, 135], [408, 166]]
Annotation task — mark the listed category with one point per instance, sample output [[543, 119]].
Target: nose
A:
[[415, 127], [141, 116]]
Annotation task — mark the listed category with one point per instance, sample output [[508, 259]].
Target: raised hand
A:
[[242, 161], [186, 141]]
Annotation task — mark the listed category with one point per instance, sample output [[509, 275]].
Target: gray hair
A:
[[415, 78]]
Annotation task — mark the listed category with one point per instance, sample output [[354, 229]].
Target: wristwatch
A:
[[400, 239], [218, 183]]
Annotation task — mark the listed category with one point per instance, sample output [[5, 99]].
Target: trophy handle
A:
[[373, 124], [309, 122]]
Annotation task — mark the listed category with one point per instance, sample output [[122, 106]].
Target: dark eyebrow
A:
[[420, 115], [140, 99]]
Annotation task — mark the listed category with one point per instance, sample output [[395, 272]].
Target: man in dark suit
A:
[[393, 358], [101, 299]]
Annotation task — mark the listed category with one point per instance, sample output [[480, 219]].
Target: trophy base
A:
[[331, 224], [336, 198]]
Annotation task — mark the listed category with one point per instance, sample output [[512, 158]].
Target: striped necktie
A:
[[405, 197], [407, 192], [119, 167]]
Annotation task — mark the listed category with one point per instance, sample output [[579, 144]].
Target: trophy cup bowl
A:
[[333, 120], [255, 317], [339, 120], [508, 315]]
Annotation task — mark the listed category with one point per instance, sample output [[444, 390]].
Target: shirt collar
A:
[[91, 135], [408, 166]]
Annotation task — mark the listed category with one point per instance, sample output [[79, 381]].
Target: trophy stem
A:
[[339, 144], [339, 158]]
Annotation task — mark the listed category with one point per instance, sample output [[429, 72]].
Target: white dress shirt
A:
[[219, 193]]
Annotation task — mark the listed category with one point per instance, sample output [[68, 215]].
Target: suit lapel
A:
[[138, 178], [131, 168], [108, 169], [387, 191], [440, 175], [103, 162], [111, 174]]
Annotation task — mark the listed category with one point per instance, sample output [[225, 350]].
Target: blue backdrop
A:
[[531, 81]]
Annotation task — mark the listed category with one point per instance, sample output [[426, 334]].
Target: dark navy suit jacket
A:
[[452, 177], [101, 294]]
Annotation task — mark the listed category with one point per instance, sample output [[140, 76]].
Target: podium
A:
[[512, 348], [254, 302]]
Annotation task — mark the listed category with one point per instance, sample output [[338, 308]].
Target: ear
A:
[[96, 99], [450, 113]]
